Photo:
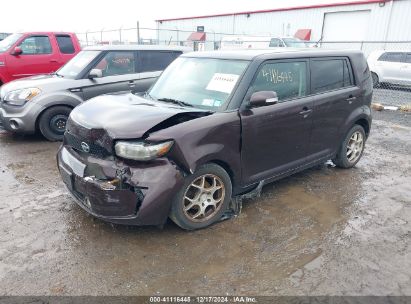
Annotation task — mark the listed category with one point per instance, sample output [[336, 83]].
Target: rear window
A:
[[149, 61], [391, 57], [65, 44], [330, 74]]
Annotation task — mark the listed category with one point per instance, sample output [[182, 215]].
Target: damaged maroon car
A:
[[215, 127]]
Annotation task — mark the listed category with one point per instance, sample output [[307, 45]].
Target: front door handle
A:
[[305, 112]]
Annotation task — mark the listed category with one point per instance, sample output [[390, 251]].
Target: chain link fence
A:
[[389, 61]]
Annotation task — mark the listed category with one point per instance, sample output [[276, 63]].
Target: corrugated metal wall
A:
[[284, 23]]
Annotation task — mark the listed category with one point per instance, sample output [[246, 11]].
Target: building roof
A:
[[250, 54], [280, 9]]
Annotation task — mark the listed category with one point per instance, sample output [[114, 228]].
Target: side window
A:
[[36, 45], [274, 42], [408, 58], [117, 63], [150, 61], [391, 57], [330, 74], [65, 44], [287, 79]]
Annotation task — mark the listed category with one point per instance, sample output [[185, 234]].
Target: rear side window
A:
[[117, 63], [408, 58], [330, 74], [274, 42], [391, 57], [150, 61], [287, 79], [65, 44], [36, 45]]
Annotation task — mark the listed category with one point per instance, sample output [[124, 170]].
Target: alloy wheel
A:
[[203, 198], [355, 146]]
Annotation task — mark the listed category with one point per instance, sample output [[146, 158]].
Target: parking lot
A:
[[323, 231]]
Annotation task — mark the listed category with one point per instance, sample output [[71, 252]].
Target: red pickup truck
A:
[[32, 53]]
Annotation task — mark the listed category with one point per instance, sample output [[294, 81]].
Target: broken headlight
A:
[[141, 150], [20, 97]]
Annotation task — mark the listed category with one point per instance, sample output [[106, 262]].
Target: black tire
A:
[[52, 122], [183, 218], [342, 158], [375, 80]]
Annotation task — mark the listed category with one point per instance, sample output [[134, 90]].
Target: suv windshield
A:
[[200, 82], [294, 42], [9, 41], [77, 64]]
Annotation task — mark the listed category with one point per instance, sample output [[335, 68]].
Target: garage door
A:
[[346, 26]]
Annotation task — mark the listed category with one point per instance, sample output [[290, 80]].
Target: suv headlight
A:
[[141, 150], [20, 97]]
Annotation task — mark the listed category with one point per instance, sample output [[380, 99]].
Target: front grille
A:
[[75, 142]]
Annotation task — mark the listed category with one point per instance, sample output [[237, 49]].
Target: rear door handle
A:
[[350, 99], [305, 112]]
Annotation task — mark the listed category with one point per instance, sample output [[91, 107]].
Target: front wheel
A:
[[351, 149], [203, 198], [52, 123]]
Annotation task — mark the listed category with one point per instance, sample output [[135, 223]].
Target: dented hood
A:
[[126, 116]]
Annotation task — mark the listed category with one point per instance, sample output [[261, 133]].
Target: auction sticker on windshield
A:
[[222, 82]]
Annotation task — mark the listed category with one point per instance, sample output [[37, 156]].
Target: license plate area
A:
[[73, 163], [67, 178]]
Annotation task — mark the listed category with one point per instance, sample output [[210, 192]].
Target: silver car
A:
[[391, 67], [43, 103]]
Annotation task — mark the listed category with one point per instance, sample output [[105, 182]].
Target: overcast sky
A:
[[93, 15]]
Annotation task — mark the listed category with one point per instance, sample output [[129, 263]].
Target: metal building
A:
[[367, 20]]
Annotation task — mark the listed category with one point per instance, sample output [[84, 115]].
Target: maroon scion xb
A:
[[215, 126]]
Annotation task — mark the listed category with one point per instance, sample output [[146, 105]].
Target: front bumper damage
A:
[[113, 191]]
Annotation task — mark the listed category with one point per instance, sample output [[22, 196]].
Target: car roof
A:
[[135, 47], [251, 54]]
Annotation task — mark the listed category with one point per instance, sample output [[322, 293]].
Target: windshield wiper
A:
[[57, 74], [175, 101]]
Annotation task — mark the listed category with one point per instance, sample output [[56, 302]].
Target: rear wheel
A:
[[53, 121], [203, 198], [375, 80], [352, 148]]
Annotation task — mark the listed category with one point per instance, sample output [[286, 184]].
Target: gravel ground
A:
[[325, 231]]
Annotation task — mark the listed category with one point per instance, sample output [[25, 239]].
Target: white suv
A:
[[393, 67]]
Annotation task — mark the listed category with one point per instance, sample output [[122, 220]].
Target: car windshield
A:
[[294, 42], [199, 82], [77, 64], [7, 42]]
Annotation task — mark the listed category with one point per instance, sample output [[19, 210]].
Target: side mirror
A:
[[263, 98], [95, 73], [17, 51]]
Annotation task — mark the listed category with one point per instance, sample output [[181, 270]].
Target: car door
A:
[[335, 97], [405, 69], [275, 138], [38, 57], [391, 63], [150, 64], [118, 70]]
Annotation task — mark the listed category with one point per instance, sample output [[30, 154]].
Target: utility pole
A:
[[138, 32]]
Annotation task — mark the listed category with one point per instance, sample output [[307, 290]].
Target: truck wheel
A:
[[53, 121], [203, 198], [351, 149], [375, 80]]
